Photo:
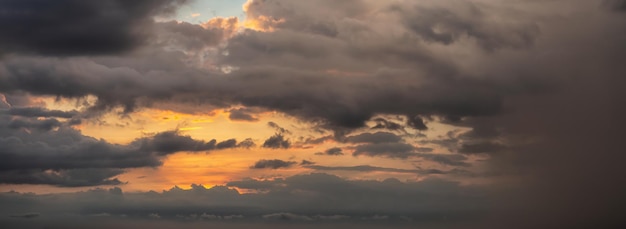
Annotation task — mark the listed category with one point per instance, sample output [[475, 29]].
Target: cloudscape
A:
[[312, 114]]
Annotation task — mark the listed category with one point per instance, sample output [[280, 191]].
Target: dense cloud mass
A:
[[525, 98], [70, 27]]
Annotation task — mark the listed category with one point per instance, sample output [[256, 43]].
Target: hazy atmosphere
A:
[[312, 114]]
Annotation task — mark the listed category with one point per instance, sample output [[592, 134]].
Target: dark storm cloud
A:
[[74, 27], [272, 164], [378, 137], [352, 24], [277, 141], [335, 151]]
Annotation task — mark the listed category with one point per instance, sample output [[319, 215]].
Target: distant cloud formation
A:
[[316, 197]]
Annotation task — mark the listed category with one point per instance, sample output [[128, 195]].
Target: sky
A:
[[312, 114]]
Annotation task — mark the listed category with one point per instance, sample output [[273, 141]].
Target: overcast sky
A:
[[312, 114]]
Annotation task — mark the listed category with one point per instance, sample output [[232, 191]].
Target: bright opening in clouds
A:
[[312, 114]]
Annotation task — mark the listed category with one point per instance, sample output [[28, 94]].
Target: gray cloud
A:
[[272, 164], [382, 123], [416, 122], [246, 143], [278, 128], [39, 112], [45, 124], [386, 149], [187, 36], [446, 24], [242, 114], [367, 168], [49, 151], [230, 143], [171, 142], [63, 177], [446, 159], [276, 142], [378, 137], [335, 151]]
